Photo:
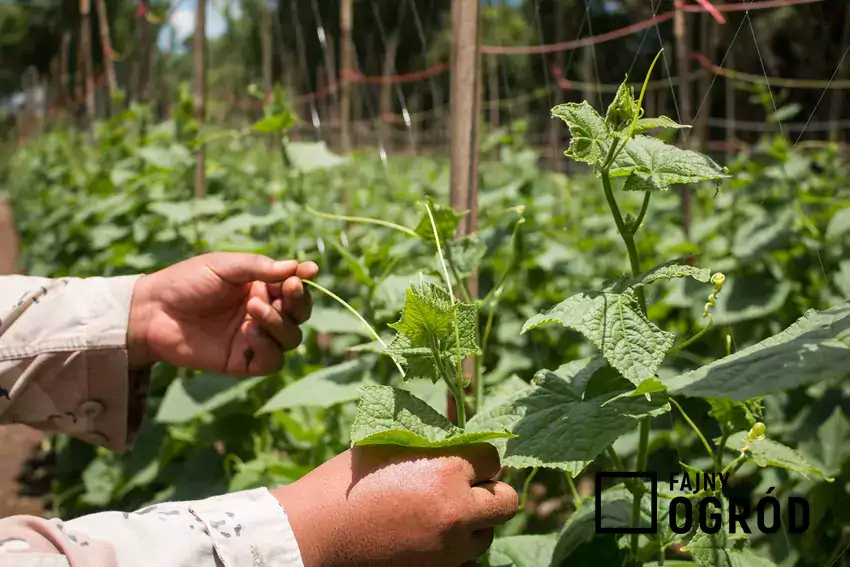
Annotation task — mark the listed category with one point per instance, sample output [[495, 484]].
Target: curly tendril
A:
[[717, 279]]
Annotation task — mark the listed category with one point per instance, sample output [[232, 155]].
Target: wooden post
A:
[[108, 63], [706, 47], [267, 54], [493, 88], [64, 78], [730, 109], [266, 47], [142, 80], [463, 107], [465, 93], [88, 62], [836, 97], [386, 103], [413, 108], [346, 71], [680, 31], [150, 79], [199, 48], [556, 124]]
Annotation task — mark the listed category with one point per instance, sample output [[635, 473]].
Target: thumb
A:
[[240, 268]]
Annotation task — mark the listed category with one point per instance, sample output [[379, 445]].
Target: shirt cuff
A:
[[249, 528]]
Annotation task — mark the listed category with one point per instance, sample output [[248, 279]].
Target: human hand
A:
[[229, 313], [386, 506]]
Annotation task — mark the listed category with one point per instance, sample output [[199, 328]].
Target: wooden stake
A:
[[266, 47], [108, 63], [64, 77], [88, 63], [836, 97], [556, 124], [730, 109], [680, 31], [465, 94], [199, 50], [706, 47], [386, 102], [346, 70]]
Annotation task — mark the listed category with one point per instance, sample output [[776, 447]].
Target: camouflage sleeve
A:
[[63, 358], [247, 528]]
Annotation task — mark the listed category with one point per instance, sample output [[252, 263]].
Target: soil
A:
[[22, 482]]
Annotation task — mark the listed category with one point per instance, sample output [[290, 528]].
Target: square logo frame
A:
[[653, 515]]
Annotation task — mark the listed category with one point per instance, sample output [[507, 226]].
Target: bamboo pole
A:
[[106, 44], [680, 31], [199, 52]]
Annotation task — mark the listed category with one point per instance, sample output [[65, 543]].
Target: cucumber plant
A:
[[569, 418]]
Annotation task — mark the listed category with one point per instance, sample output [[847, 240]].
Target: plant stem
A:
[[615, 458], [696, 430], [525, 487], [354, 312], [572, 486], [643, 450], [689, 341], [733, 466], [643, 208], [461, 406], [364, 220], [718, 459]]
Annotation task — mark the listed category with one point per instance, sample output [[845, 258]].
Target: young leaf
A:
[[390, 416], [445, 218], [769, 453], [645, 388], [613, 322], [427, 315], [666, 271], [647, 124], [652, 165], [590, 134], [274, 123], [522, 550], [427, 324], [731, 415], [816, 348], [555, 410], [621, 113]]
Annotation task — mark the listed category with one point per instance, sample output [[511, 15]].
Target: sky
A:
[[183, 20]]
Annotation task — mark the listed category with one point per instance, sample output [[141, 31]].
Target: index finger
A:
[[484, 459]]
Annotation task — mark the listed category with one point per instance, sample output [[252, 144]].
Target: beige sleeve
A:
[[243, 529], [63, 367], [63, 358]]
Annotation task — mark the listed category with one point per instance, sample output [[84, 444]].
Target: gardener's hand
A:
[[386, 506], [229, 313]]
